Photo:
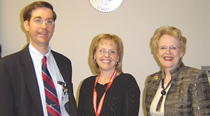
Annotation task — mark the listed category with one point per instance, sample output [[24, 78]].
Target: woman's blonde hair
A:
[[170, 30]]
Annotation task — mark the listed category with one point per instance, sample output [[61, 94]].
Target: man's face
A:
[[40, 32]]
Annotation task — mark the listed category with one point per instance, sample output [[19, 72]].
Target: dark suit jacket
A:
[[19, 92]]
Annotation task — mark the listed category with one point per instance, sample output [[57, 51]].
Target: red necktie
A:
[[52, 103]]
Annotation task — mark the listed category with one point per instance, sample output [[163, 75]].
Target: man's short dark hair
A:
[[38, 4]]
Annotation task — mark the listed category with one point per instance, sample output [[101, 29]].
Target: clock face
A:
[[106, 5]]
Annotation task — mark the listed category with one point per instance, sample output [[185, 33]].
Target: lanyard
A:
[[98, 111]]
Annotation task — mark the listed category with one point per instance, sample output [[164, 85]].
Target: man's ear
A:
[[26, 25]]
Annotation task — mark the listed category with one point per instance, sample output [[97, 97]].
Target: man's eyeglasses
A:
[[172, 47], [111, 52], [48, 22]]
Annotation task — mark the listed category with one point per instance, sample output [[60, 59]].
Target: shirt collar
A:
[[38, 55]]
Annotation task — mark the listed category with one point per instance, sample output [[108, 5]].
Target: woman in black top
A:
[[111, 92]]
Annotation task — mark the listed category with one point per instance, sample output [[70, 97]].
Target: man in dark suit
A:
[[22, 90]]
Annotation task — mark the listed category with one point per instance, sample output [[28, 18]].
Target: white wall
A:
[[134, 21]]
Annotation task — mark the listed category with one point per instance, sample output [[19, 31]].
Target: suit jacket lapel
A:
[[30, 78], [62, 67]]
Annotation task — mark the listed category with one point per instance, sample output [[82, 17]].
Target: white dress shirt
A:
[[55, 74]]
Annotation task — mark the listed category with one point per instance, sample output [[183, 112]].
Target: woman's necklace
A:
[[163, 92]]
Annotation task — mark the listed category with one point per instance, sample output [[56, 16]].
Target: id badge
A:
[[65, 96]]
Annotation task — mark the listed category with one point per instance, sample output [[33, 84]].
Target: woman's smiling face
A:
[[106, 55], [169, 52]]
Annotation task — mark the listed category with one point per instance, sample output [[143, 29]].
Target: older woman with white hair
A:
[[177, 89]]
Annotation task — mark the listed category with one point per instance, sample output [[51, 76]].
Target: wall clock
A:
[[106, 5]]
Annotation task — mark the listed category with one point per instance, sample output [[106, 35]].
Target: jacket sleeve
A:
[[201, 95], [6, 93]]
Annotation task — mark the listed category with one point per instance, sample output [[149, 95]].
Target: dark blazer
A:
[[19, 92]]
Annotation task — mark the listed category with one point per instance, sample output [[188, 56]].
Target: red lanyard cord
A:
[[98, 111]]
